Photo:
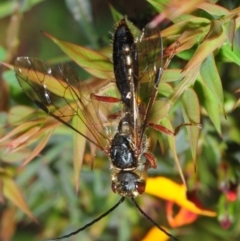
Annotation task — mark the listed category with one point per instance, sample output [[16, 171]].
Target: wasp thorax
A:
[[121, 154]]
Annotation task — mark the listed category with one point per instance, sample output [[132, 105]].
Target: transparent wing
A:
[[60, 93], [150, 54]]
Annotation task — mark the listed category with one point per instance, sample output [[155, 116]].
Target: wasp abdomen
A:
[[125, 61]]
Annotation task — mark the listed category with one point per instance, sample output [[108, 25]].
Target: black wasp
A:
[[59, 93]]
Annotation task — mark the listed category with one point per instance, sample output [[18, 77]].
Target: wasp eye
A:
[[114, 187], [140, 186]]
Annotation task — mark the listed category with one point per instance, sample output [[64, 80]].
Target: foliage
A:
[[36, 151]]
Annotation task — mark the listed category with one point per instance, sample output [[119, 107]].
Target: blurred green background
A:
[[47, 182]]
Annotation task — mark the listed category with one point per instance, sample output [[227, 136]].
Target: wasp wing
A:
[[59, 92], [150, 55]]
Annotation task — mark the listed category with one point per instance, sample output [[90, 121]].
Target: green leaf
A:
[[191, 113], [34, 71], [210, 76], [10, 78], [18, 113], [187, 81], [214, 9], [165, 89], [159, 5], [231, 27], [92, 61], [171, 75], [187, 54], [78, 149], [9, 7], [180, 27], [6, 8], [210, 103], [213, 40], [229, 53], [116, 15], [160, 110], [172, 144], [3, 53], [14, 156], [82, 14], [174, 9]]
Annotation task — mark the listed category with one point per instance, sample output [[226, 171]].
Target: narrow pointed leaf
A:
[[19, 129], [210, 103], [31, 72], [211, 78], [230, 53], [23, 138], [171, 75], [231, 27], [172, 144], [14, 156], [160, 110], [186, 82], [41, 144], [191, 113], [92, 61], [19, 113], [78, 150], [8, 223], [180, 27], [214, 39], [173, 9], [13, 193], [213, 9], [165, 89]]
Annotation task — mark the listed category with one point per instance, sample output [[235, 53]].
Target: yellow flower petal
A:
[[183, 217], [166, 189], [155, 234]]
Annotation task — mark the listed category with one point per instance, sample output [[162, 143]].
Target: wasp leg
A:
[[107, 99], [151, 160], [165, 130]]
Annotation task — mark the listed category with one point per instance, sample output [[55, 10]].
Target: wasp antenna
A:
[[152, 221], [91, 223]]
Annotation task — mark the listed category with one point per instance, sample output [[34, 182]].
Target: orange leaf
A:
[[8, 224], [13, 193], [37, 149], [23, 138], [19, 129]]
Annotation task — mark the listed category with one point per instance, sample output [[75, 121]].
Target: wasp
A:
[[135, 62]]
